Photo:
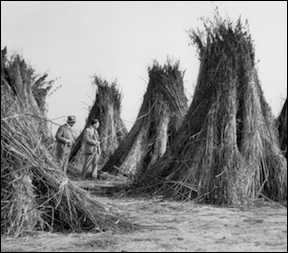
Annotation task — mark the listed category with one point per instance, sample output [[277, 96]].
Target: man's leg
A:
[[59, 159], [94, 167], [87, 162], [65, 163], [66, 155], [61, 162]]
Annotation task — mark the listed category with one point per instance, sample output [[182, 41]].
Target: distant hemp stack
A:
[[112, 131], [282, 128], [162, 111], [226, 151], [35, 193]]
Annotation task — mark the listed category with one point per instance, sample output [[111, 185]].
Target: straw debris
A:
[[282, 128], [112, 131], [226, 150], [163, 108], [35, 194]]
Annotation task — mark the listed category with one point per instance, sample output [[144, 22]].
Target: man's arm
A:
[[87, 138], [59, 135]]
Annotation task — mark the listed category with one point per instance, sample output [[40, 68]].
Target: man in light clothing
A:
[[65, 139], [92, 149]]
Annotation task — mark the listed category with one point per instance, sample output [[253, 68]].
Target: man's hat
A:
[[71, 119]]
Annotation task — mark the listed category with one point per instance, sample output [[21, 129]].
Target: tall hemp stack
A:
[[282, 128], [162, 111], [112, 131], [226, 151], [35, 193]]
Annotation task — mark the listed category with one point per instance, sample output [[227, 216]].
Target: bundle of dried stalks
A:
[[35, 194], [160, 115], [112, 131], [282, 128], [226, 151]]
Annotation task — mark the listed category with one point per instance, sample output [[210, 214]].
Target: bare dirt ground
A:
[[172, 226]]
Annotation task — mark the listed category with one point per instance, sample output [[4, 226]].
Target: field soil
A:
[[170, 226]]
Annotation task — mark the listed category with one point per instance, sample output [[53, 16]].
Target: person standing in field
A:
[[65, 139], [92, 149]]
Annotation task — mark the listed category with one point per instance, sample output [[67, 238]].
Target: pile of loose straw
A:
[[107, 109], [161, 113], [226, 150], [35, 194]]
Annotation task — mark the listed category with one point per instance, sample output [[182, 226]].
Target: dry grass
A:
[[163, 108], [35, 194], [282, 128], [112, 131], [226, 150]]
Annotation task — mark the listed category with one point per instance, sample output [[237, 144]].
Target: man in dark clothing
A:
[[92, 148], [65, 140]]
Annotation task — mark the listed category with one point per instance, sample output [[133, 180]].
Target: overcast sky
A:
[[75, 40]]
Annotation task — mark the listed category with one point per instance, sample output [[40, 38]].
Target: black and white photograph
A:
[[143, 126]]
